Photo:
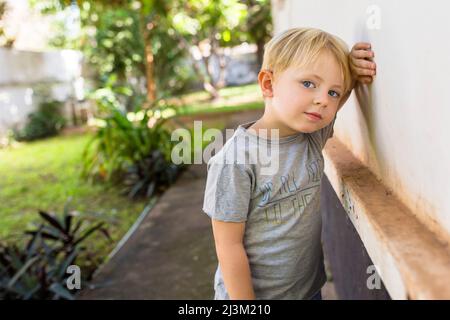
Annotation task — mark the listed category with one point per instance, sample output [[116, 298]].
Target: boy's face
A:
[[299, 92]]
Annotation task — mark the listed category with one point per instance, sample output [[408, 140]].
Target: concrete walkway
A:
[[171, 254]]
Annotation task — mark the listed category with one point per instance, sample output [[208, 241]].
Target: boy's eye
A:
[[334, 94], [307, 84]]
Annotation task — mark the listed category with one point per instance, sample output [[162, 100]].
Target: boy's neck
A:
[[267, 123]]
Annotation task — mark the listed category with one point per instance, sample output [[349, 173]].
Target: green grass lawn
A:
[[42, 175], [231, 99]]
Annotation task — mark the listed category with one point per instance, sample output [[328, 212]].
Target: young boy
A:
[[267, 227]]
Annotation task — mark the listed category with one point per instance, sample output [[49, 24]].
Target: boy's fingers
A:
[[361, 46], [361, 54], [364, 64]]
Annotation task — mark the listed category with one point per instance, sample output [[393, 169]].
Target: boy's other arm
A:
[[233, 260]]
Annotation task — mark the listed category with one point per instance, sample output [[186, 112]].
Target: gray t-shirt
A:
[[282, 235]]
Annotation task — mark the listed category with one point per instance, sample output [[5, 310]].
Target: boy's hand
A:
[[361, 62]]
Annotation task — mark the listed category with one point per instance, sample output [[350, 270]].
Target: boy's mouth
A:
[[314, 115]]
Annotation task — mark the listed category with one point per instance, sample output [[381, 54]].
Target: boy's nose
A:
[[321, 99]]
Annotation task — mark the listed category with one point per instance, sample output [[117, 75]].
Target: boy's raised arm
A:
[[233, 259], [362, 66], [361, 61]]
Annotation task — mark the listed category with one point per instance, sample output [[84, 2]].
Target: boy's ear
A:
[[265, 80]]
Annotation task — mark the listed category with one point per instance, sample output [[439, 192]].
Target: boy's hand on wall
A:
[[361, 62]]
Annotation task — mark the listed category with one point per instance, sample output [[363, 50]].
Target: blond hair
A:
[[300, 47]]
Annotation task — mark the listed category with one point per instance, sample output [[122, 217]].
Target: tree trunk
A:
[[208, 83], [222, 58], [149, 61], [260, 52], [206, 80], [151, 85]]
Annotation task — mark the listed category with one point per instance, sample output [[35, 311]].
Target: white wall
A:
[[22, 71], [398, 126]]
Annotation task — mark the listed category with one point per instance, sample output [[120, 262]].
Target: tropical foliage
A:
[[38, 269]]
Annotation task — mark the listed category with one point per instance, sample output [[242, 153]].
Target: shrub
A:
[[134, 153], [131, 149], [45, 122]]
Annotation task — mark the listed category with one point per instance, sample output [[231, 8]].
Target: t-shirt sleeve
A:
[[321, 136], [227, 192]]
